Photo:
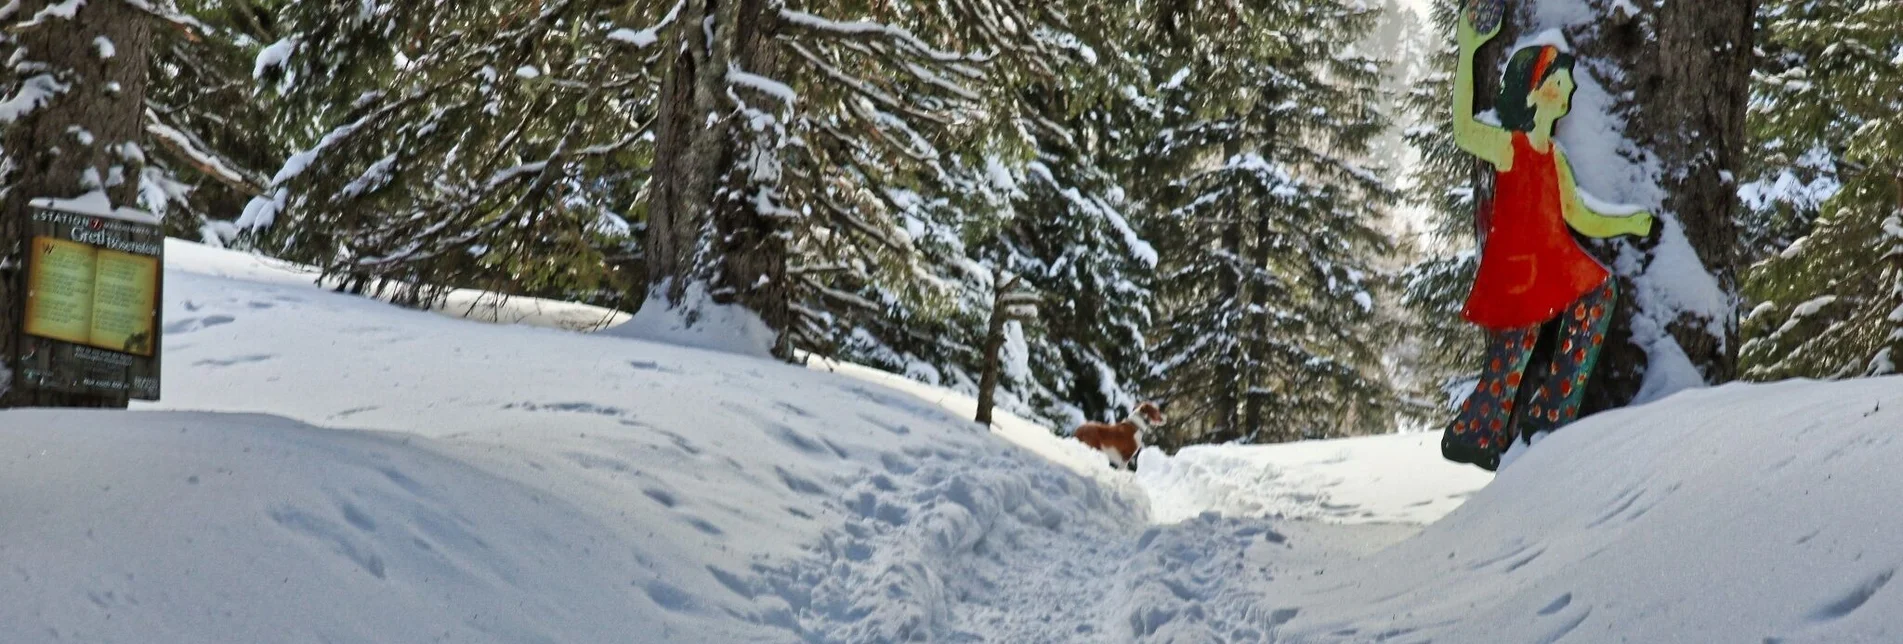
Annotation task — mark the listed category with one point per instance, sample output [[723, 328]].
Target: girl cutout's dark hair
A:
[[1516, 114]]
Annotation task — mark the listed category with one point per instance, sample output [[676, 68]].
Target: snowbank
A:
[[699, 322], [190, 527], [1739, 514], [422, 478], [504, 484]]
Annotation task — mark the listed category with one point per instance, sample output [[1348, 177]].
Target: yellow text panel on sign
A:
[[59, 292], [125, 294]]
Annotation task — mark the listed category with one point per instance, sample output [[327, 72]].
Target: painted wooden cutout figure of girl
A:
[[1538, 291]]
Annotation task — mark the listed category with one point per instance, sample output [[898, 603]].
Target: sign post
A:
[[94, 282]]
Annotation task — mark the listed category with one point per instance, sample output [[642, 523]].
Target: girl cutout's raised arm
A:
[[1493, 144]]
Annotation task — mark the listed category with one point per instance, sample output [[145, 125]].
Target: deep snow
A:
[[423, 478]]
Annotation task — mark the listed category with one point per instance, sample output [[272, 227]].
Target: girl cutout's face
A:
[[1554, 98]]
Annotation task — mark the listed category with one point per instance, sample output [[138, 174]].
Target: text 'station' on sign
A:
[[94, 279]]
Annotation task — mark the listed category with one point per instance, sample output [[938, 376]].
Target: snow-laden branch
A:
[[861, 86], [841, 296], [263, 209], [762, 84], [35, 92], [802, 21], [65, 10], [646, 37], [1140, 250], [207, 162], [275, 56]]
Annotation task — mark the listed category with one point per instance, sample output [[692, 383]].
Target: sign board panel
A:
[[94, 281]]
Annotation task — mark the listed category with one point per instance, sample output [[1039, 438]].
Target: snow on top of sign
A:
[[96, 204]]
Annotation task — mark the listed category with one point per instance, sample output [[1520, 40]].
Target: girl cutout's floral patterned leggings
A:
[[1488, 421]]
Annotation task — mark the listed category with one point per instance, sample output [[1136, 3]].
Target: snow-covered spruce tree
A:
[[1829, 105], [1401, 40], [792, 133], [1414, 358], [1073, 231], [1083, 253], [208, 135], [490, 145], [1443, 186], [1032, 198], [70, 124], [924, 312], [1266, 331]]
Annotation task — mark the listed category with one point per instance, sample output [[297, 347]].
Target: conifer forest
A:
[[1251, 210]]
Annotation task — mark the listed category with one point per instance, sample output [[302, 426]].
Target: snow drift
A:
[[329, 468]]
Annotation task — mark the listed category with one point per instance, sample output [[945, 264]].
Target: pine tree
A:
[[1079, 235], [1443, 185], [484, 145], [207, 133], [1266, 283], [826, 112], [1035, 200], [1829, 104]]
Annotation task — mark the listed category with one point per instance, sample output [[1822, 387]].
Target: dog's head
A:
[[1151, 412]]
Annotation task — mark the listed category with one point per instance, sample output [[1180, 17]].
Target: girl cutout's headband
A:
[[1547, 55]]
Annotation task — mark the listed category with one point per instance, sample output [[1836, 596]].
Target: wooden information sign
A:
[[94, 279]]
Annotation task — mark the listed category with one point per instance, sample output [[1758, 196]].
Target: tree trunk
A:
[[702, 226], [1258, 331], [1229, 292], [1683, 70], [1689, 69], [85, 137], [994, 343], [1255, 343], [1229, 289]]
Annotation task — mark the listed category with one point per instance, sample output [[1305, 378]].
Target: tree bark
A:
[[1688, 67], [1258, 332], [994, 343], [1229, 290], [702, 226], [82, 139]]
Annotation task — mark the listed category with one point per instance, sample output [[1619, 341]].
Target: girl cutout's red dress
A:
[[1530, 267]]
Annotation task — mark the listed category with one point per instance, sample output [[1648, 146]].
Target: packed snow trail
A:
[[423, 478]]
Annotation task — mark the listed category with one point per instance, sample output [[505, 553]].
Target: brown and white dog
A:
[[1123, 440]]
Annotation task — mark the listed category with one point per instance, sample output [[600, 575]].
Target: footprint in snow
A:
[[1558, 604], [336, 537], [189, 325], [1854, 599], [228, 362], [661, 496]]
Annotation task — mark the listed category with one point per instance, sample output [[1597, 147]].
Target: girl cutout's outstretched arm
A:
[[1592, 223], [1493, 144]]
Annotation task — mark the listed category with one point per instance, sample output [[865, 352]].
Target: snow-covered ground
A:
[[1379, 479], [327, 468]]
